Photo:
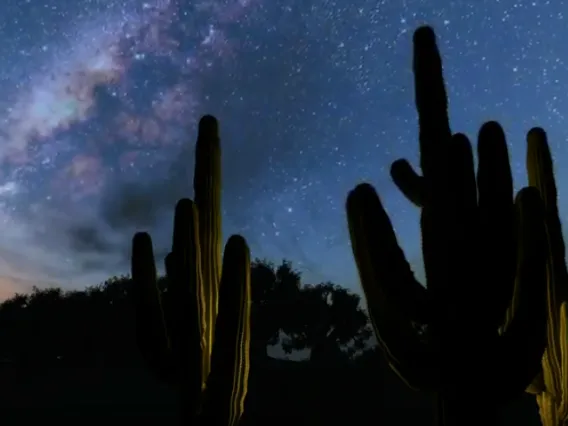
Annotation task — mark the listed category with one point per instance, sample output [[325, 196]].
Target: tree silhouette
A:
[[96, 325], [329, 321], [274, 293], [13, 329]]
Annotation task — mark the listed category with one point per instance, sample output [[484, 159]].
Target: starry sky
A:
[[99, 101]]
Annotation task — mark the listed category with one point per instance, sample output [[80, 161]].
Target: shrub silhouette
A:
[[275, 290], [329, 321]]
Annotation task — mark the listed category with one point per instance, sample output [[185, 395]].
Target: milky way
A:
[[109, 94], [99, 101]]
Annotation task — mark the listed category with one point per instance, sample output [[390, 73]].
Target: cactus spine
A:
[[551, 386], [197, 335], [479, 247]]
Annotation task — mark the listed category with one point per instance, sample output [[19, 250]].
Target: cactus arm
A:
[[497, 215], [385, 262], [431, 101], [151, 331], [410, 183], [184, 275], [183, 269], [541, 175], [541, 171], [387, 281], [464, 187], [207, 194], [227, 383], [524, 341], [551, 394]]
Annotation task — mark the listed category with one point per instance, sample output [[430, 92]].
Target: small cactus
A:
[[479, 246], [200, 343]]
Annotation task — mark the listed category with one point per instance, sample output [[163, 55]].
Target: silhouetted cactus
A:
[[476, 244], [205, 354], [551, 385]]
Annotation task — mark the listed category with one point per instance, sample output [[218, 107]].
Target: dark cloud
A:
[[86, 238]]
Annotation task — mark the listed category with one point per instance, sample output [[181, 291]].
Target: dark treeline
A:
[[96, 325], [72, 354]]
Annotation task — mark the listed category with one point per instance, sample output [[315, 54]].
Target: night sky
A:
[[99, 102]]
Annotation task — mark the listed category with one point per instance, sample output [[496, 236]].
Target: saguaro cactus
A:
[[203, 353], [207, 193], [551, 385], [478, 246]]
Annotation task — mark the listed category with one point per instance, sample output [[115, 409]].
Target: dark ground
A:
[[281, 393]]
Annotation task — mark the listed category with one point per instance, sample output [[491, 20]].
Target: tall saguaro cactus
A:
[[207, 193], [551, 385], [478, 247], [196, 336]]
